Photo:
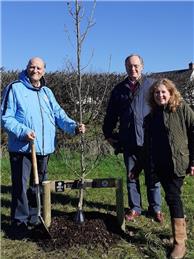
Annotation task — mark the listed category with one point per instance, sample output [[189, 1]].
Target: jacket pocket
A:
[[183, 160]]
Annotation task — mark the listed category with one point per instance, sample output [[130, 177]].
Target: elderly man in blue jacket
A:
[[30, 112]]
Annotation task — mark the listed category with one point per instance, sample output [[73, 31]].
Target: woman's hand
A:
[[191, 171]]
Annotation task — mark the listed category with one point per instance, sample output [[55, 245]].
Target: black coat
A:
[[119, 115]]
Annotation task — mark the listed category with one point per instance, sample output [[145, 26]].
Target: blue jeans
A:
[[133, 187]]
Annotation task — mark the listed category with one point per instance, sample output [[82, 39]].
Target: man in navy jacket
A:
[[126, 110]]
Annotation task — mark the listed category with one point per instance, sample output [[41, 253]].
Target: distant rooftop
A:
[[180, 77], [188, 71]]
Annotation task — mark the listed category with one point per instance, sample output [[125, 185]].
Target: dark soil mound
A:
[[97, 230]]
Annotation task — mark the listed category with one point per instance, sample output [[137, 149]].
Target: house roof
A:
[[180, 77]]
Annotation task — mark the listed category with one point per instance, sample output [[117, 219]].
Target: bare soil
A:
[[98, 229]]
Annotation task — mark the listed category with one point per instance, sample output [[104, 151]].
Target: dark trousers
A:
[[172, 188], [23, 189]]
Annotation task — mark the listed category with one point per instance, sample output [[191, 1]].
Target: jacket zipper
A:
[[42, 123]]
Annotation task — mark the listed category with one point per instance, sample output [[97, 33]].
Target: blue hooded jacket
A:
[[26, 108]]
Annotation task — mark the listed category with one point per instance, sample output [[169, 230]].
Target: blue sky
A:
[[161, 32]]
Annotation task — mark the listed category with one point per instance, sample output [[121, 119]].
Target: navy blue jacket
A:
[[126, 112]]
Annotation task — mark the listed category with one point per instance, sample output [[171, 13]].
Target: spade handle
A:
[[34, 164]]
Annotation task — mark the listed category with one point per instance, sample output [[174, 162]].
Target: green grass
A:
[[145, 239]]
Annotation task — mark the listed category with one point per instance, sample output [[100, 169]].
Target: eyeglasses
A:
[[134, 66]]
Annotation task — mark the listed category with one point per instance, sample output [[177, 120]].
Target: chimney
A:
[[191, 66]]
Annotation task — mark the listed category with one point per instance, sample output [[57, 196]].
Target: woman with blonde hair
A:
[[169, 151]]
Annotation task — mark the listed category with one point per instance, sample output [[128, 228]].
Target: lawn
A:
[[144, 238]]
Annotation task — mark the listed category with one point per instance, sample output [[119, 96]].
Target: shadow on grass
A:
[[67, 199], [5, 205], [5, 189]]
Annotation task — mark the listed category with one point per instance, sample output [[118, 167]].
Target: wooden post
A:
[[120, 204], [46, 202]]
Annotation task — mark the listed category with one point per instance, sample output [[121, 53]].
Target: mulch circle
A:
[[98, 229]]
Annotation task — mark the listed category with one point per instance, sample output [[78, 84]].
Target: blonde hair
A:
[[175, 96]]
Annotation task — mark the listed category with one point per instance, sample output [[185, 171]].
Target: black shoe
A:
[[34, 221], [19, 231]]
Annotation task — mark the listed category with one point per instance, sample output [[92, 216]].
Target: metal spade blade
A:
[[79, 217]]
